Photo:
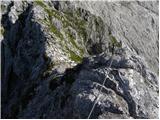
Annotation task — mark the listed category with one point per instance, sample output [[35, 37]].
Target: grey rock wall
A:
[[55, 58], [135, 23]]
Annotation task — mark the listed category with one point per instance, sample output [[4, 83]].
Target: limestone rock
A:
[[55, 59]]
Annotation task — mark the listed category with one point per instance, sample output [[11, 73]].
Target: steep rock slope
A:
[[55, 58], [127, 93], [134, 22]]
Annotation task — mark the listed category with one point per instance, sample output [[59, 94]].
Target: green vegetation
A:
[[3, 7], [115, 42], [73, 27], [68, 20], [2, 30], [73, 42], [73, 56], [74, 33]]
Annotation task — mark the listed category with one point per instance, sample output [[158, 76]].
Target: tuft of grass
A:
[[73, 42], [115, 42], [74, 57], [2, 30]]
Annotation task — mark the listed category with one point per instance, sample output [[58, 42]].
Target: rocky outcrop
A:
[[55, 59], [126, 92], [133, 22]]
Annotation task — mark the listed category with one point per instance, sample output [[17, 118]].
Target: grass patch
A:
[[67, 20], [2, 30]]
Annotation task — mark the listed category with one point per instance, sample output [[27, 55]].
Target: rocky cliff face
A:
[[56, 62]]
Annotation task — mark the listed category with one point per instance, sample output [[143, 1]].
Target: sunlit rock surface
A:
[[55, 59]]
